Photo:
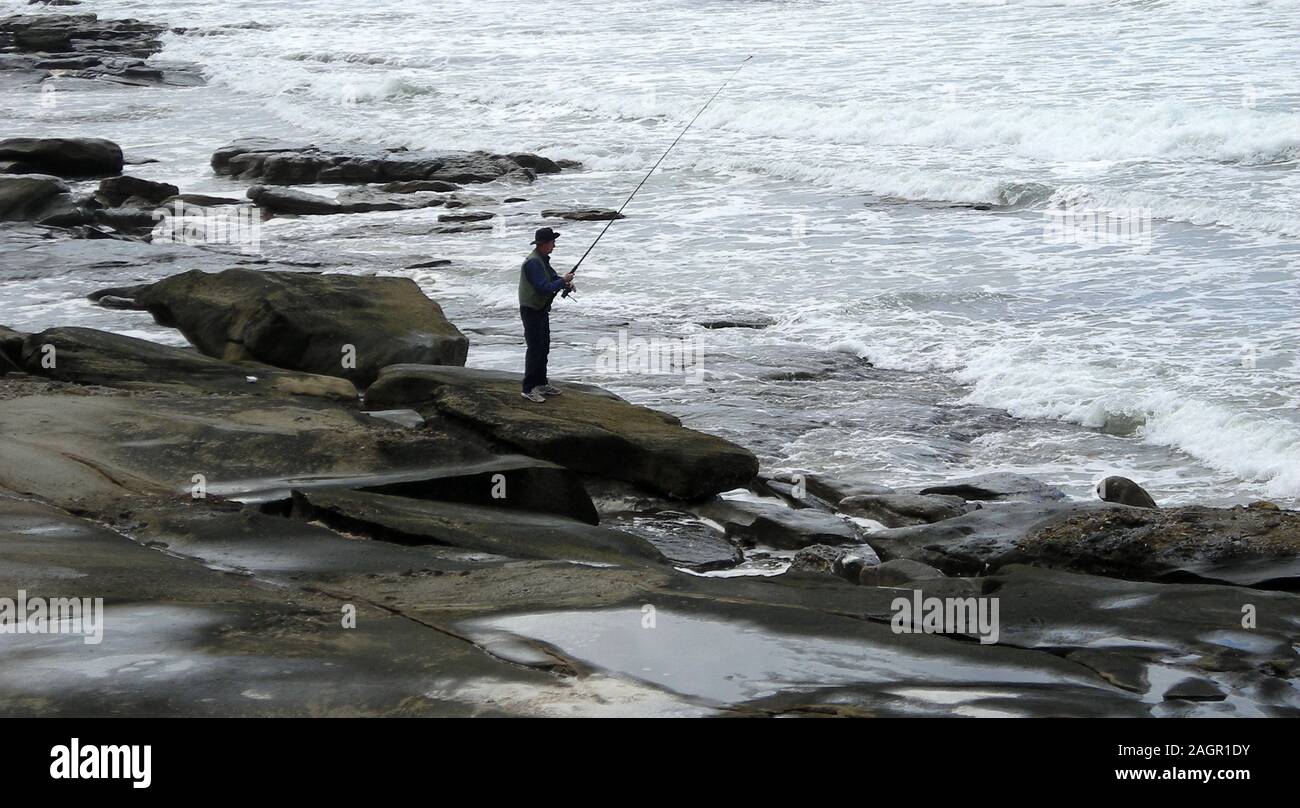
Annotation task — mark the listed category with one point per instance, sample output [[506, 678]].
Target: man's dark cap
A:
[[544, 235]]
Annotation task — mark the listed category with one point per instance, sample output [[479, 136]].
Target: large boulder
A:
[[30, 196], [588, 429], [338, 325], [71, 157]]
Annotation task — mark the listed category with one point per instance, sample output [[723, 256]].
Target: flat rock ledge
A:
[[588, 429]]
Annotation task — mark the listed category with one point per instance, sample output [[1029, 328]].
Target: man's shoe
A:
[[535, 396], [548, 390]]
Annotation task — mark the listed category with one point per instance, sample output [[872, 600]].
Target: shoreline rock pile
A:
[[323, 447], [470, 502]]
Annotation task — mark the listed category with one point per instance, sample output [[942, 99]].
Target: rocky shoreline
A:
[[322, 446]]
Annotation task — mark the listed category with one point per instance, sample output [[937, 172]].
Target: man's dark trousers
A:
[[537, 333]]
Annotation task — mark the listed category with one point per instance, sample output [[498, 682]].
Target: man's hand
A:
[[568, 279]]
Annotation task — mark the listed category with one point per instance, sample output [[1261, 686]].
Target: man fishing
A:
[[538, 286]]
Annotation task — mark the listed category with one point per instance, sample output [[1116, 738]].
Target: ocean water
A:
[[885, 181]]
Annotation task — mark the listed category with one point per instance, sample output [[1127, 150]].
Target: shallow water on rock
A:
[[729, 661]]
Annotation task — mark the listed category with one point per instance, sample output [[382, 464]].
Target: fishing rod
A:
[[656, 165]]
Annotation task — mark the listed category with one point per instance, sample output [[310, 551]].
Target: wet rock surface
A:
[[902, 510], [584, 214], [515, 534], [87, 356], [1246, 546], [587, 430], [998, 487], [491, 597], [1250, 547], [777, 526], [899, 572]]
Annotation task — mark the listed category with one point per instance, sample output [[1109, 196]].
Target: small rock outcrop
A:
[[336, 325]]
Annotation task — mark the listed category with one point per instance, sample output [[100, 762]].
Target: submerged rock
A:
[[202, 200], [999, 487], [683, 540], [835, 487], [901, 510], [755, 323], [778, 526], [368, 200], [337, 325], [588, 429], [416, 186], [584, 214]]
